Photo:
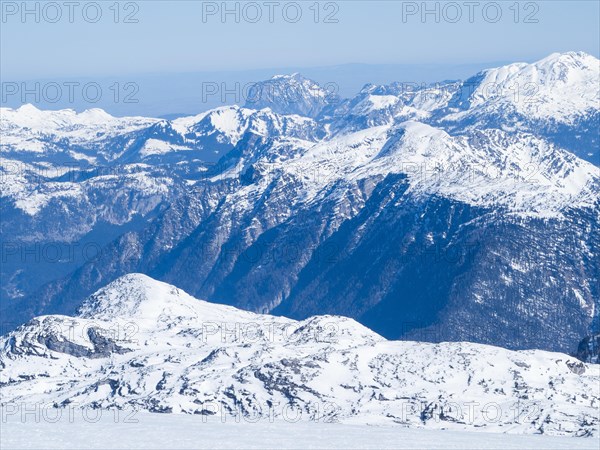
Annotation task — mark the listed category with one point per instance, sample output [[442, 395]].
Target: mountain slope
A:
[[145, 344], [291, 94], [389, 210], [557, 98], [432, 211]]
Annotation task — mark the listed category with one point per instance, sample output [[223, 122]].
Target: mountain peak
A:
[[134, 295], [150, 303], [290, 94], [560, 88], [292, 76], [569, 66], [28, 108], [570, 55], [95, 115]]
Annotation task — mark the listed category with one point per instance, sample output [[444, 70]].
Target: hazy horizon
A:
[[128, 38], [167, 94]]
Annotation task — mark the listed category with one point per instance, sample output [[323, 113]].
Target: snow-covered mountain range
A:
[[456, 211], [142, 344]]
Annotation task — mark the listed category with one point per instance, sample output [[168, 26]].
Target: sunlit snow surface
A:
[[177, 354], [176, 431]]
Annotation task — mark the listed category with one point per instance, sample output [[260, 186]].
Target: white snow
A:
[[487, 167], [158, 147], [34, 124], [375, 102], [103, 429], [490, 168], [561, 87], [166, 351]]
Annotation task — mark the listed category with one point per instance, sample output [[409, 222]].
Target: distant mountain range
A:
[[457, 211], [176, 94]]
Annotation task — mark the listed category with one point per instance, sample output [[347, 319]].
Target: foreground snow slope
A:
[[142, 344], [105, 430]]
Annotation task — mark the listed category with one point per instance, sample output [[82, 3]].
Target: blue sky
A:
[[173, 37], [169, 50]]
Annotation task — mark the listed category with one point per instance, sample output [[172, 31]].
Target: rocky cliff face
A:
[[588, 349]]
